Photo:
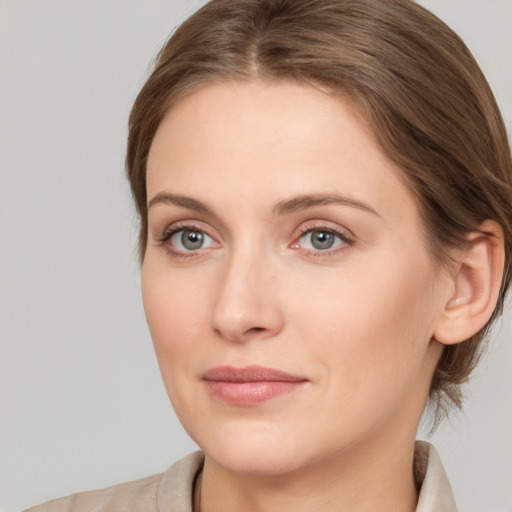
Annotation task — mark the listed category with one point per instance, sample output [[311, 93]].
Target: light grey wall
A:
[[82, 405]]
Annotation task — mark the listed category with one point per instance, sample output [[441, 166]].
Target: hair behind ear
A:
[[478, 285]]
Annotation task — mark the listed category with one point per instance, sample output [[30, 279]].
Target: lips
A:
[[251, 385]]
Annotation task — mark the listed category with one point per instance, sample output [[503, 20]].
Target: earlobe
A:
[[477, 283]]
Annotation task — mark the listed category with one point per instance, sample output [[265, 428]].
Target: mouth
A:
[[251, 385]]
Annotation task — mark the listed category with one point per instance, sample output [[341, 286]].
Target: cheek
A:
[[365, 300], [371, 327], [175, 311]]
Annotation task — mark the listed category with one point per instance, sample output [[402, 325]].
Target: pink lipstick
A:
[[251, 385]]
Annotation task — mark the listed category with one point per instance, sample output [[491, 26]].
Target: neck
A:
[[356, 480]]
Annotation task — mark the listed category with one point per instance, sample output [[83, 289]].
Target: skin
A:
[[356, 321]]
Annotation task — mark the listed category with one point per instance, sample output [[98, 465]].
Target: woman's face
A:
[[286, 281]]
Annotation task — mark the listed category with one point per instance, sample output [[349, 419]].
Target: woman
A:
[[325, 197]]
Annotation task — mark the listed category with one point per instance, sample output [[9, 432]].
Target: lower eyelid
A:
[[339, 241]]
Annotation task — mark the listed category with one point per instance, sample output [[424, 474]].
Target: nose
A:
[[247, 305]]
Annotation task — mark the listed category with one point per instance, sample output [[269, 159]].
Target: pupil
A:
[[192, 239], [322, 240]]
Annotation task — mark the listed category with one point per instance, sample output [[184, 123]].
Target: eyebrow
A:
[[306, 201], [182, 201], [285, 207]]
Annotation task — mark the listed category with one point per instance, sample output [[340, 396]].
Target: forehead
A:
[[271, 135]]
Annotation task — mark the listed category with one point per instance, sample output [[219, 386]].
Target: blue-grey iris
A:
[[322, 240], [192, 239]]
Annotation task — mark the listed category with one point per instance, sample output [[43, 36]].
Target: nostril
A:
[[255, 329]]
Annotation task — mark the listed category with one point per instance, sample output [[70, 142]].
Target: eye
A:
[[322, 239], [187, 240]]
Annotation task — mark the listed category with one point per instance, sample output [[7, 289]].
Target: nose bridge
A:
[[246, 304]]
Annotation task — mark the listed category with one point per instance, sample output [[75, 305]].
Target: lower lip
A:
[[247, 394]]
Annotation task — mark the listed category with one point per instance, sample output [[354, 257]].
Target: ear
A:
[[477, 278]]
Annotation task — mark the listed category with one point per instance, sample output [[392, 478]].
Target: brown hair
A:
[[410, 75]]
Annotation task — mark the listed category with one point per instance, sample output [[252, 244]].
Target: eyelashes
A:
[[190, 240], [184, 240], [312, 239], [322, 240]]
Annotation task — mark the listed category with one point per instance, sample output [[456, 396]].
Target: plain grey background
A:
[[82, 404]]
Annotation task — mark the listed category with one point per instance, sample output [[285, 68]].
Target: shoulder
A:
[[174, 488], [139, 495]]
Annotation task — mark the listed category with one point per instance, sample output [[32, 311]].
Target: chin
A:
[[255, 460], [252, 448]]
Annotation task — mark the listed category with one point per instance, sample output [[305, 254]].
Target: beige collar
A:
[[436, 493]]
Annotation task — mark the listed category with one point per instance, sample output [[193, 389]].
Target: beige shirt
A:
[[172, 491]]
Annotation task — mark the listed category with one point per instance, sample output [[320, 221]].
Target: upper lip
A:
[[251, 373]]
